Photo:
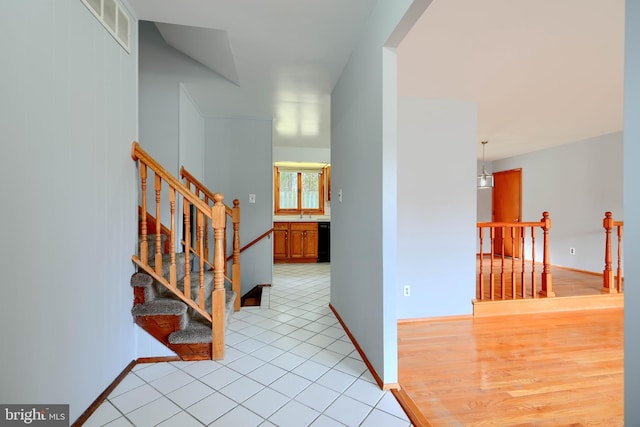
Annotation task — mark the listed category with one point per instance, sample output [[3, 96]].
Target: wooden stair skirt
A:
[[161, 326]]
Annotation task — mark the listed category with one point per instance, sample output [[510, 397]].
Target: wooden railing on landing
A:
[[506, 274], [204, 194], [610, 283], [215, 216]]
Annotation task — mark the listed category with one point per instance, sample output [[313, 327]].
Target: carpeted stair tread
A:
[[195, 332], [162, 307], [146, 282], [141, 279], [199, 330]]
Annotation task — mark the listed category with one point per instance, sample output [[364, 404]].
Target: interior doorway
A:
[[506, 205]]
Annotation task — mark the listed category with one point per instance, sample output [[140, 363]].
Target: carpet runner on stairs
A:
[[170, 320]]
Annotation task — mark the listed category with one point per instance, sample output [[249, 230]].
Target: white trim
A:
[[123, 39]]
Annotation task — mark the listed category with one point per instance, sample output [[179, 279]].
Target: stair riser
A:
[[190, 352], [159, 327]]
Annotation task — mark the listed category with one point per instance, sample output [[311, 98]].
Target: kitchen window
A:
[[298, 191]]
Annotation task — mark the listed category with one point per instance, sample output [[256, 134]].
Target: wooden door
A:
[[507, 207]]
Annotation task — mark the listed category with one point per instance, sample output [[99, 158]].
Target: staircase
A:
[[171, 321], [184, 299]]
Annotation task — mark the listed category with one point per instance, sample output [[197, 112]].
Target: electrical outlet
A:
[[572, 251], [407, 290]]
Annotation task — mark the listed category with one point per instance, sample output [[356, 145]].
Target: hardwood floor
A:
[[545, 369]]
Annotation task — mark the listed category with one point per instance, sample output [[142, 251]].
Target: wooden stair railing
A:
[[610, 283], [253, 242], [204, 194], [214, 214], [512, 279]]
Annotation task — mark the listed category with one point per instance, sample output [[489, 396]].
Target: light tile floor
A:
[[287, 363]]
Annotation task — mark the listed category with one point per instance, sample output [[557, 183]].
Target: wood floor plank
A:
[[545, 369]]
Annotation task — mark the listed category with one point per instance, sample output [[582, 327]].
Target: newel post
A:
[[218, 215], [235, 270], [607, 274], [547, 284]]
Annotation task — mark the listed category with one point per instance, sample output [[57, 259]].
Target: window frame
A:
[[299, 210]]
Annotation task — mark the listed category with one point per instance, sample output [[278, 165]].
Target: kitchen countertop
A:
[[306, 218]]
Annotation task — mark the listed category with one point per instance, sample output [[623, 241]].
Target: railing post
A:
[[607, 274], [172, 239], [158, 251], [492, 235], [619, 226], [144, 244], [235, 270], [186, 209], [481, 274], [547, 284], [218, 215]]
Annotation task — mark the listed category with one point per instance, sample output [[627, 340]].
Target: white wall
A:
[[169, 117], [238, 162], [171, 125], [576, 183], [68, 117], [632, 212], [301, 154], [191, 135], [438, 263], [160, 68], [363, 225]]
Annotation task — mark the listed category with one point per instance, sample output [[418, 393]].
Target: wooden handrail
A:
[[610, 283], [184, 174], [206, 217], [253, 242], [516, 233], [137, 153], [234, 213]]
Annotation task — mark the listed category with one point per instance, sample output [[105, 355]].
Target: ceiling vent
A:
[[113, 17]]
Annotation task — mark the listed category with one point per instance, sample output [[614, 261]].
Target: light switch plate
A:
[[252, 198]]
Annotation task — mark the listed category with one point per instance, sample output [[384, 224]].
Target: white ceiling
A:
[[288, 55], [542, 72]]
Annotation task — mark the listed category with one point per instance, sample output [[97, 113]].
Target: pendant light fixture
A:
[[485, 180]]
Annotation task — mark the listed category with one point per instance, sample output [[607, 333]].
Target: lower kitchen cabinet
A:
[[295, 242]]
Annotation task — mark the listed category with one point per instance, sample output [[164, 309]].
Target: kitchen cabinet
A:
[[280, 241], [295, 242]]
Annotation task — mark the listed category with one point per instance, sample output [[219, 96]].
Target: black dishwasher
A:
[[324, 241]]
